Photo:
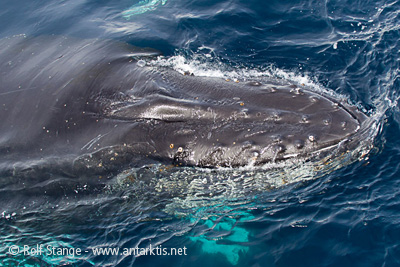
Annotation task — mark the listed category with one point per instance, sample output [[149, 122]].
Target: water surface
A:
[[347, 217]]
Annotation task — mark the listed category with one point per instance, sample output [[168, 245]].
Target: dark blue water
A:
[[347, 217]]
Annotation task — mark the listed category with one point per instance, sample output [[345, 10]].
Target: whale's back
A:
[[84, 97]]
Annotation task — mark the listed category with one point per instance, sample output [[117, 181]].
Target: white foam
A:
[[205, 63]]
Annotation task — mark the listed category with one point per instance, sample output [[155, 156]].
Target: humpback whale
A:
[[94, 103]]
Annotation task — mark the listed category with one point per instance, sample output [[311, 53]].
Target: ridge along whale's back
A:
[[89, 101]]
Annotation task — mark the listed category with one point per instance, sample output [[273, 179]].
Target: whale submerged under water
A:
[[93, 103]]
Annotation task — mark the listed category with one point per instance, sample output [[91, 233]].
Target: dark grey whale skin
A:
[[89, 104]]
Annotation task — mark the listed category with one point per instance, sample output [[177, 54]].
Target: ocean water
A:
[[347, 216]]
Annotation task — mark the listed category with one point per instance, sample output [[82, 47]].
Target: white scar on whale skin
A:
[[142, 7], [93, 141]]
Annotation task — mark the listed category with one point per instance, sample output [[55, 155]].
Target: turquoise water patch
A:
[[224, 236], [142, 7]]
